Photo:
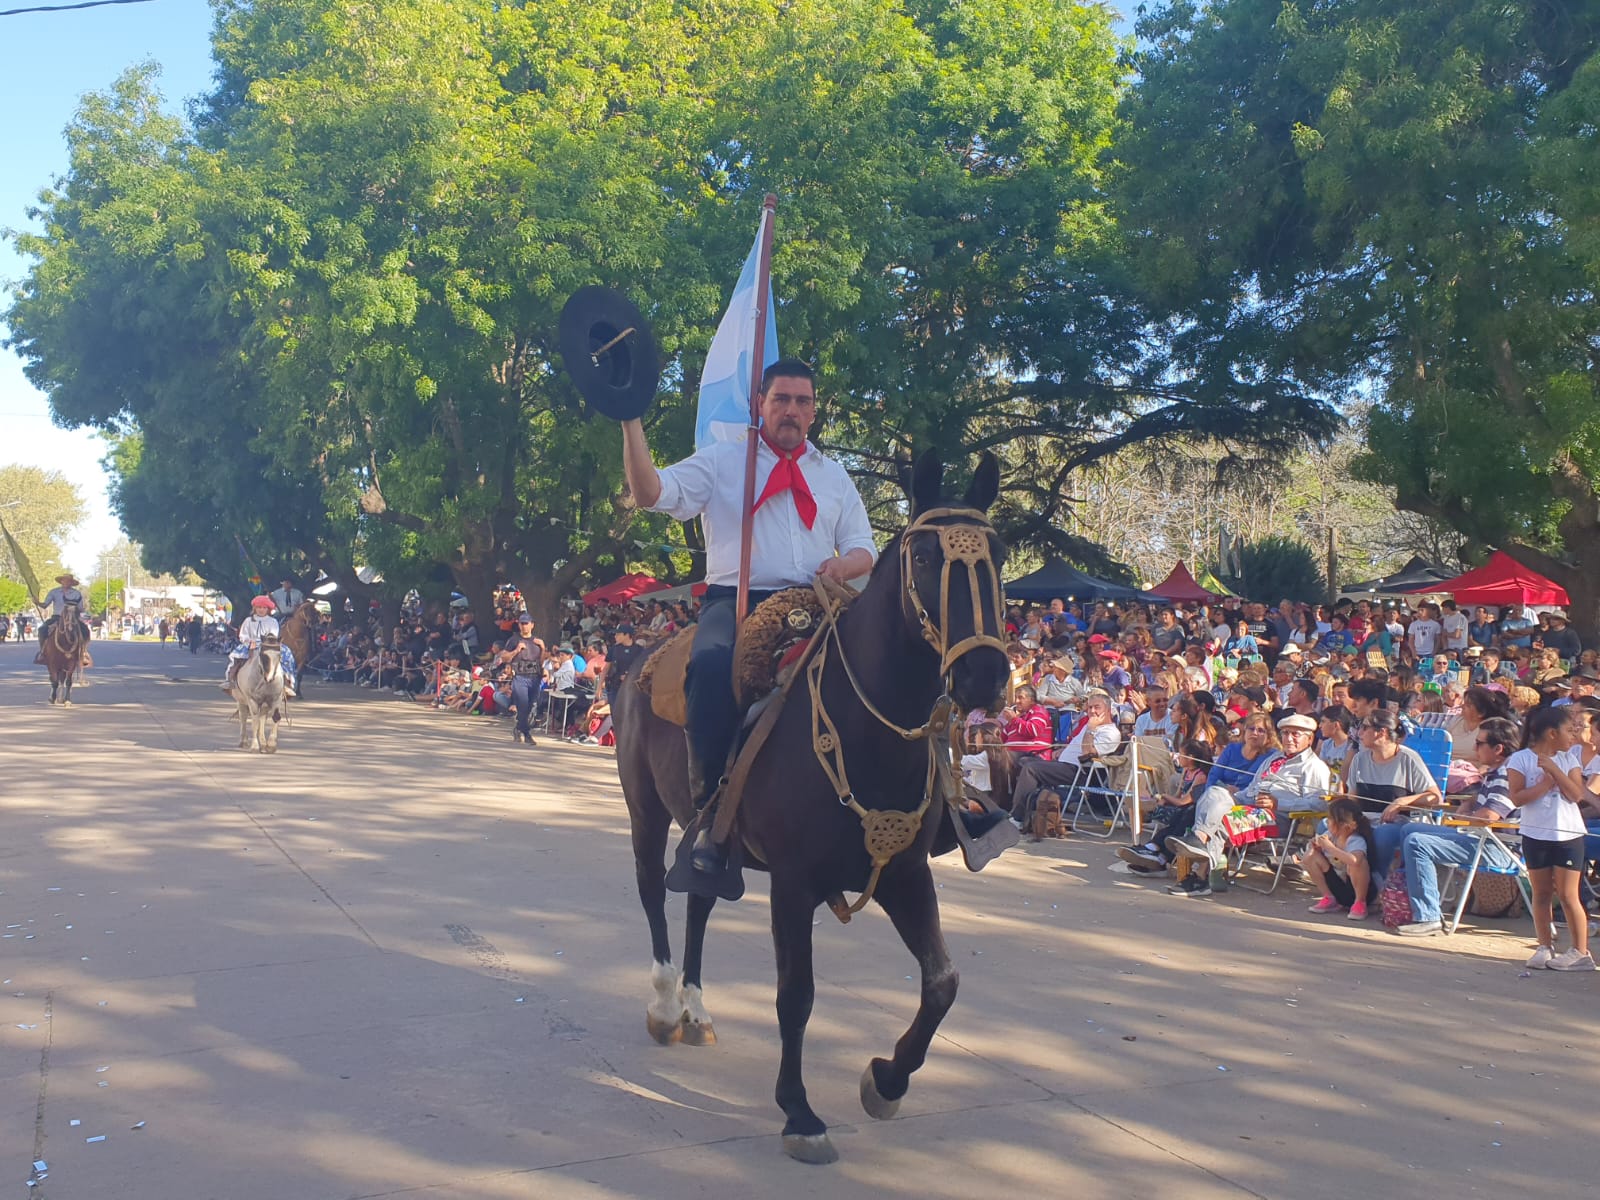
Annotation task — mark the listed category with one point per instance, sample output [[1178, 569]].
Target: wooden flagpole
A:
[[769, 208]]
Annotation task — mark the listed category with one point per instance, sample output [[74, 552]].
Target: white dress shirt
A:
[[253, 628], [784, 553]]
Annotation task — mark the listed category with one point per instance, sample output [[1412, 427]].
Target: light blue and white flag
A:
[[724, 413]]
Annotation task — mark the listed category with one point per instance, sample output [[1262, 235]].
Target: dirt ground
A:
[[403, 957]]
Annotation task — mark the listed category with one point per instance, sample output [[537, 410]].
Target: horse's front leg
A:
[[805, 1137], [913, 906], [269, 724], [697, 1027]]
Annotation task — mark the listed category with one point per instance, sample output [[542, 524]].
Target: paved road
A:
[[403, 958]]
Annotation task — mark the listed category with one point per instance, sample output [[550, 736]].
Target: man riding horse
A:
[[59, 599], [809, 521], [252, 629]]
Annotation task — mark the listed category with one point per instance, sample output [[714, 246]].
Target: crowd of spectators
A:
[[1310, 709], [1262, 711], [449, 659]]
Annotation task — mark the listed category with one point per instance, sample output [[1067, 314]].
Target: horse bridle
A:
[[965, 542], [887, 832]]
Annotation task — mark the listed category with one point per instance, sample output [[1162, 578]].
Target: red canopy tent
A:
[[1180, 585], [626, 588], [1500, 581]]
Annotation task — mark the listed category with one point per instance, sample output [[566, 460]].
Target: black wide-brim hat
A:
[[609, 352]]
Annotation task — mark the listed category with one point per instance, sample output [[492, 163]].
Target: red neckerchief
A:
[[786, 477]]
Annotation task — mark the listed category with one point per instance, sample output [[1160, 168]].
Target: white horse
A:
[[258, 690]]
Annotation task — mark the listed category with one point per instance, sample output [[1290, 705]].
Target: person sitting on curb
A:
[[1337, 862], [1424, 848]]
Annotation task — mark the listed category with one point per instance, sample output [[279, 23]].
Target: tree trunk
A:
[[542, 598], [476, 582], [1581, 580]]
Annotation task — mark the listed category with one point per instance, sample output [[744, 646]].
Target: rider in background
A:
[[252, 629], [287, 597], [57, 599]]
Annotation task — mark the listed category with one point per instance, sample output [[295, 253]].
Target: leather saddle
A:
[[768, 647]]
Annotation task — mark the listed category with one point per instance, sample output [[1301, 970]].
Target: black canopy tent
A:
[[1416, 575], [1059, 579]]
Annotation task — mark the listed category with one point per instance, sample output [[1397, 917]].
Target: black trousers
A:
[[708, 684]]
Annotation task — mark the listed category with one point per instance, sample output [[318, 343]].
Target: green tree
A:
[[334, 288], [13, 597], [1400, 200], [102, 596], [1274, 569], [40, 508]]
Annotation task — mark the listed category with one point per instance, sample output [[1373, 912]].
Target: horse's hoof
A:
[[877, 1107], [698, 1033], [810, 1148], [665, 1033]]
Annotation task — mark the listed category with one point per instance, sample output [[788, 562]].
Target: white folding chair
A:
[[1510, 843]]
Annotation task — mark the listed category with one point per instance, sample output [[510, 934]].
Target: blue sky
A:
[[47, 62]]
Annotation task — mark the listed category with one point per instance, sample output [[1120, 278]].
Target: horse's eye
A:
[[919, 558]]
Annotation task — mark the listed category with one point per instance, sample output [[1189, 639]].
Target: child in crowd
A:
[[1546, 782], [1338, 863], [1173, 815]]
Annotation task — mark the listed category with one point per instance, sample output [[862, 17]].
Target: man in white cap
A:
[[252, 629], [56, 600]]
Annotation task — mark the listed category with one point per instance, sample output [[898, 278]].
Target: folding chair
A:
[[1486, 833], [1117, 778], [1302, 827]]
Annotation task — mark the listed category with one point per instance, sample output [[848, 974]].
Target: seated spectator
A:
[[1424, 848], [986, 772], [1026, 724], [1021, 670], [1338, 862], [1058, 689], [1156, 720], [1115, 678], [1173, 815], [1233, 779], [1392, 779], [1095, 737], [1338, 636]]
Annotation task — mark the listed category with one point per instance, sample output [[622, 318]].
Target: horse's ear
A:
[[926, 480], [985, 483]]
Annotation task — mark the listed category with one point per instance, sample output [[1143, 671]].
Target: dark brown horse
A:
[[298, 631], [63, 654], [916, 631]]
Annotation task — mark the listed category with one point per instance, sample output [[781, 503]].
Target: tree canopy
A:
[[1394, 202], [40, 508], [318, 314]]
